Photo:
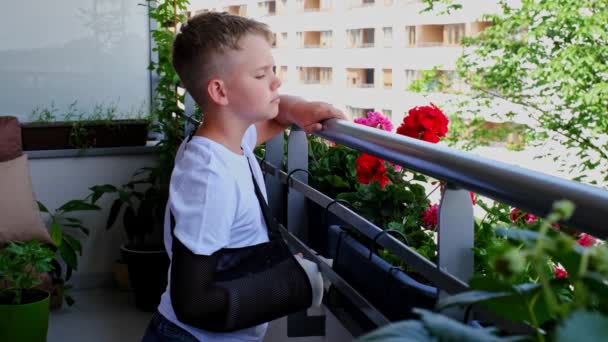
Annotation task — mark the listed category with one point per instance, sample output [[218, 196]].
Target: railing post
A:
[[297, 159], [274, 187], [455, 236], [300, 324]]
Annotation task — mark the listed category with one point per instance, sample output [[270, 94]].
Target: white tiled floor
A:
[[99, 315]]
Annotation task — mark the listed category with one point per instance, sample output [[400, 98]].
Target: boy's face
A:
[[251, 85]]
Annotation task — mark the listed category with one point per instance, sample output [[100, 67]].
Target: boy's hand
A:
[[308, 114]]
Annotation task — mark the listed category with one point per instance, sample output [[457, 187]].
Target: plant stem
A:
[[539, 335]]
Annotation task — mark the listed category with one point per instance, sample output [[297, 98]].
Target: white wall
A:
[[92, 51], [57, 180]]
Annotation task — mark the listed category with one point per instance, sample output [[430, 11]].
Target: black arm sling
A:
[[237, 288]]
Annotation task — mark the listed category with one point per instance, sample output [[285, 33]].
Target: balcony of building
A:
[[240, 10], [305, 6], [267, 8], [360, 78], [361, 3], [315, 75], [315, 39], [361, 38]]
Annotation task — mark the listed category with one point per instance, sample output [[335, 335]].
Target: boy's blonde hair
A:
[[201, 42]]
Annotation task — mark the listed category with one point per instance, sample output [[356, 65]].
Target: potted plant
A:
[[24, 310], [540, 276], [101, 128], [64, 231], [142, 205]]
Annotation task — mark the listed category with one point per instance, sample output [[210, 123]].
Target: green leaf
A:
[[41, 207], [100, 190], [469, 297], [77, 205], [583, 326], [406, 331], [114, 210], [73, 243], [68, 255], [447, 329], [56, 234]]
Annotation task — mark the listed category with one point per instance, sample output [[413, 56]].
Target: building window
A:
[[315, 75], [453, 34], [360, 78], [410, 36], [313, 5], [361, 38], [387, 78], [240, 10], [388, 36], [410, 77], [267, 7], [315, 39], [326, 39], [388, 114], [357, 112], [282, 73], [430, 35]]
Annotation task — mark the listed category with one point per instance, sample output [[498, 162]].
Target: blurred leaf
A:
[[405, 331], [583, 326], [56, 234], [73, 243], [77, 205], [69, 256], [114, 210], [41, 207]]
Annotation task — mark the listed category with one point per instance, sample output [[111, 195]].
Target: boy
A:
[[226, 64]]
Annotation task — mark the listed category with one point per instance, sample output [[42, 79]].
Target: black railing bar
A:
[[526, 189], [353, 295], [428, 269]]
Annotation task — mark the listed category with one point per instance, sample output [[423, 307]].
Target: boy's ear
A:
[[216, 88]]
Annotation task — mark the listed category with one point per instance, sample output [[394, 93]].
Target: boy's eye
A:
[[259, 77]]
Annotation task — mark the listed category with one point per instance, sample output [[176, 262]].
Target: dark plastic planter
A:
[[318, 222], [148, 275], [390, 290], [59, 135]]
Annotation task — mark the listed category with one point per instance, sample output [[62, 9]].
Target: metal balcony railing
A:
[[462, 172]]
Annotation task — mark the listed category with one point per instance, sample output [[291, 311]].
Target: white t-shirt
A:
[[213, 200]]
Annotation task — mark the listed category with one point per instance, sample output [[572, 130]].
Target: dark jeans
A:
[[161, 329]]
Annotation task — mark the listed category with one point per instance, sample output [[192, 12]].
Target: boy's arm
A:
[[294, 110]]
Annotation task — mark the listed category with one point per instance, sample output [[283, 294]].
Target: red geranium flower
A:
[[560, 272], [473, 198], [427, 123], [517, 214], [429, 217], [586, 240], [370, 168]]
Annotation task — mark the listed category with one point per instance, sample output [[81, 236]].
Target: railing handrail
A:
[[526, 189]]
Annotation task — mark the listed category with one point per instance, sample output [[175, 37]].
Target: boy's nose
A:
[[277, 83]]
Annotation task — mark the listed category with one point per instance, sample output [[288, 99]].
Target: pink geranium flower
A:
[[376, 120]]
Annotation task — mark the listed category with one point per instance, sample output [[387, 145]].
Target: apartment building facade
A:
[[361, 55]]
